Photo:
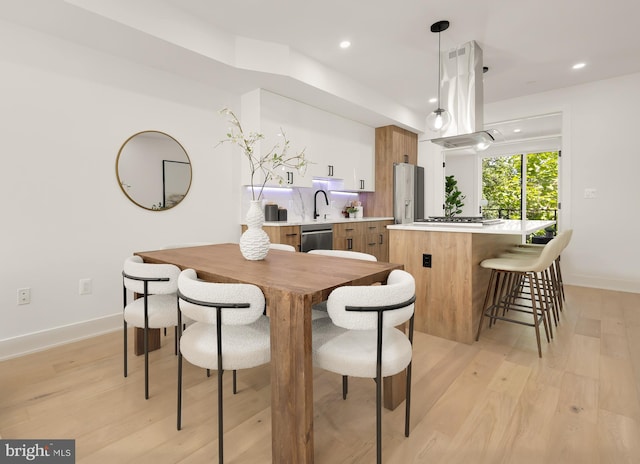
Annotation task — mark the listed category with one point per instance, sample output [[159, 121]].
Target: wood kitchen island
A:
[[450, 293]]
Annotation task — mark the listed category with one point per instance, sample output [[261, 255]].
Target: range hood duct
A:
[[463, 91]]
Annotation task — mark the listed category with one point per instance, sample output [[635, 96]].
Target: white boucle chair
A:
[[344, 254], [156, 284], [360, 337], [171, 246], [282, 246], [240, 341], [319, 311]]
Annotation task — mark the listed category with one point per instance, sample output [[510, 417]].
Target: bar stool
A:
[[532, 250], [565, 235], [506, 284]]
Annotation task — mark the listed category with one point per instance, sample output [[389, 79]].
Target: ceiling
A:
[[390, 71], [529, 47]]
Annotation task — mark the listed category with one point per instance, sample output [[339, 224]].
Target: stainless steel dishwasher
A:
[[316, 237]]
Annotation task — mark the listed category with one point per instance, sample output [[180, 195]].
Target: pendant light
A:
[[439, 119]]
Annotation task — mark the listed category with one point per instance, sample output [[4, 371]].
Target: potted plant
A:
[[453, 197], [254, 242], [352, 210]]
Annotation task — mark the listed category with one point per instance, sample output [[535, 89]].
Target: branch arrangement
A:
[[270, 164]]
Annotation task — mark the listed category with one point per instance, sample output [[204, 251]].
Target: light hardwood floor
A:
[[491, 402]]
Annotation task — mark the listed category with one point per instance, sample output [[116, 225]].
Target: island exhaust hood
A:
[[479, 140], [462, 88]]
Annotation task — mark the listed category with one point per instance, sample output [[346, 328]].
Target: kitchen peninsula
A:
[[445, 261]]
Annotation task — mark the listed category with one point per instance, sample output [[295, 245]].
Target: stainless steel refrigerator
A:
[[408, 193]]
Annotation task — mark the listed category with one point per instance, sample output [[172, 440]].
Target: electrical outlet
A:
[[85, 287], [24, 296], [590, 193], [426, 260]]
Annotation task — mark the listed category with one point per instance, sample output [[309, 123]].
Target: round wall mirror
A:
[[153, 170]]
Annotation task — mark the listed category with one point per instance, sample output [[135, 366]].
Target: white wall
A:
[[65, 112], [600, 123], [599, 150], [465, 169]]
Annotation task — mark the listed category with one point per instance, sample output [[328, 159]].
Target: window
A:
[[508, 197]]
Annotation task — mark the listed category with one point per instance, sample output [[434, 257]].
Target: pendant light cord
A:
[[439, 71], [439, 119]]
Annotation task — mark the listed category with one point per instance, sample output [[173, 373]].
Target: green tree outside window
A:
[[501, 186]]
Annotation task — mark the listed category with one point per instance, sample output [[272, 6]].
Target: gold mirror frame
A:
[[153, 170]]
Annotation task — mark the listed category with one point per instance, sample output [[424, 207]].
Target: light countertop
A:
[[507, 227], [326, 221]]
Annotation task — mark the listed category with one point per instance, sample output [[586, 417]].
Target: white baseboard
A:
[[599, 282], [38, 341]]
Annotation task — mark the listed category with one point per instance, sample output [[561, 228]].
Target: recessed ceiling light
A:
[[579, 65], [433, 100], [517, 130], [345, 44]]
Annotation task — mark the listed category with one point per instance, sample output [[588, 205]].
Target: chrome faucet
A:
[[315, 202]]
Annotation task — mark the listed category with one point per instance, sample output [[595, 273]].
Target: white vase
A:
[[254, 242]]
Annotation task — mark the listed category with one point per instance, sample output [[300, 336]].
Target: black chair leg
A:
[[379, 419], [175, 340], [345, 386], [235, 386], [407, 414], [146, 363], [179, 415], [208, 372], [219, 365], [220, 426], [125, 348]]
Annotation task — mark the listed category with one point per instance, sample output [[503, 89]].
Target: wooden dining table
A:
[[291, 283]]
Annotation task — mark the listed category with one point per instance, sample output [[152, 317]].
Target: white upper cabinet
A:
[[271, 115], [335, 147], [359, 169], [355, 170]]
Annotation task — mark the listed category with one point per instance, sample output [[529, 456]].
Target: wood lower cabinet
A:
[[289, 235], [365, 236], [348, 236], [377, 239]]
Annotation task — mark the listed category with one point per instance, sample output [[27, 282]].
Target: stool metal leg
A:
[[492, 279]]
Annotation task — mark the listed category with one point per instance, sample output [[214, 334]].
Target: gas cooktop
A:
[[472, 221]]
